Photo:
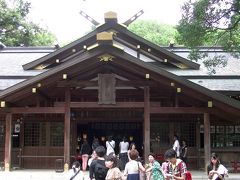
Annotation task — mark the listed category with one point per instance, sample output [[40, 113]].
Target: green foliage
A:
[[15, 30], [160, 34], [211, 23], [216, 61]]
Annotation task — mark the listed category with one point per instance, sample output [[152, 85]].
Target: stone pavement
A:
[[52, 175]]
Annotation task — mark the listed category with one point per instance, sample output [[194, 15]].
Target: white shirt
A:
[[221, 170], [123, 147], [132, 167], [110, 148], [71, 173], [176, 147]]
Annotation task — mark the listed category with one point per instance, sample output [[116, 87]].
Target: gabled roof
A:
[[225, 79], [91, 57], [121, 35]]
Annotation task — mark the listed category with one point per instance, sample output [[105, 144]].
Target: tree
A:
[[211, 23], [160, 34], [16, 30]]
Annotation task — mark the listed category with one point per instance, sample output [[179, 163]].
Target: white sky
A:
[[63, 19]]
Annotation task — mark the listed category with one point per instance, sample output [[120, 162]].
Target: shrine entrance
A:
[[102, 130]]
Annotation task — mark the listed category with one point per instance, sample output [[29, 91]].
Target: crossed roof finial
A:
[[126, 23]]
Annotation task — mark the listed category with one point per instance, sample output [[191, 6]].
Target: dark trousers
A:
[[123, 157]]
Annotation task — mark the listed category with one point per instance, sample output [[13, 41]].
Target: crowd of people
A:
[[104, 164]]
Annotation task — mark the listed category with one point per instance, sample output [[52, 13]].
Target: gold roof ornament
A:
[[210, 104], [105, 36], [3, 104], [179, 90], [110, 16], [106, 57], [34, 90], [64, 76]]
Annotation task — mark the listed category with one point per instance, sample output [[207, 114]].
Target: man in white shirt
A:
[[176, 145]]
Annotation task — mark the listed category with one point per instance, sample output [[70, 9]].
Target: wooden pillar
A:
[[67, 129], [146, 129], [207, 147], [73, 137], [198, 143], [8, 142]]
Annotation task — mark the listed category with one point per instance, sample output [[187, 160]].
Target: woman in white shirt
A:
[[133, 168], [215, 170], [123, 155], [176, 145], [75, 173], [110, 145]]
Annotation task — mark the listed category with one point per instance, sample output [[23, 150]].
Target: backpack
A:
[[100, 171], [188, 175]]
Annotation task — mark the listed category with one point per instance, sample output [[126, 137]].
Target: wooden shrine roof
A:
[[121, 35], [127, 62]]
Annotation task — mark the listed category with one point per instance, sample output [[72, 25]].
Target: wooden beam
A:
[[96, 105], [37, 110], [178, 110], [67, 129], [207, 144], [8, 142], [119, 83], [76, 83], [146, 129]]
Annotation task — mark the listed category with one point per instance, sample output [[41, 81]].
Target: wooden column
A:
[[198, 143], [8, 142], [67, 129], [207, 147], [146, 130]]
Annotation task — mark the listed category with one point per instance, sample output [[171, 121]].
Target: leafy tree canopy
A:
[[160, 34], [211, 23], [16, 30]]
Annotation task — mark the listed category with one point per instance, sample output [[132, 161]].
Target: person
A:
[[93, 158], [97, 169], [95, 143], [110, 145], [131, 147], [114, 172], [78, 156], [155, 169], [215, 170], [165, 167], [133, 167], [176, 168], [75, 172], [85, 152], [184, 149], [123, 155], [176, 145]]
